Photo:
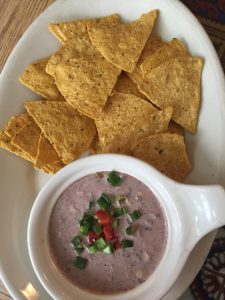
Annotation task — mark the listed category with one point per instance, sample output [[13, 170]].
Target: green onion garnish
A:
[[90, 205], [77, 245], [108, 249], [135, 215], [121, 199], [130, 230], [101, 244], [104, 201], [97, 228], [92, 248], [114, 179], [116, 223], [121, 211], [80, 262], [127, 243]]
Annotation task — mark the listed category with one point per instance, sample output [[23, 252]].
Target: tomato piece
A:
[[92, 237], [117, 245], [108, 232], [103, 217]]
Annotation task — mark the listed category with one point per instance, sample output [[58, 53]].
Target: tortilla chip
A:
[[95, 147], [47, 157], [5, 143], [127, 118], [126, 85], [166, 152], [36, 79], [122, 44], [68, 131], [87, 84], [67, 31], [175, 128], [172, 49], [177, 83], [151, 46], [27, 139], [16, 123]]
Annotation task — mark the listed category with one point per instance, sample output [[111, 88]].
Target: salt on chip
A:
[[166, 152], [127, 118], [172, 49], [68, 31], [86, 84], [177, 83], [47, 158], [122, 44], [68, 131], [152, 45], [27, 139], [126, 85], [36, 79]]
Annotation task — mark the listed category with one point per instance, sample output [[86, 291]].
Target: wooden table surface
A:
[[16, 16]]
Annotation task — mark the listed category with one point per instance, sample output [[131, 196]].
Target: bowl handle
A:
[[202, 210]]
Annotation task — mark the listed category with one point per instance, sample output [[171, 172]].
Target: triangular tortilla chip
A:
[[126, 85], [166, 152], [127, 118], [5, 143], [47, 157], [122, 44], [172, 49], [67, 31], [68, 131], [151, 46], [27, 139], [36, 79], [177, 83], [16, 123]]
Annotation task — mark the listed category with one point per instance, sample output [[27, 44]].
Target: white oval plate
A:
[[20, 183]]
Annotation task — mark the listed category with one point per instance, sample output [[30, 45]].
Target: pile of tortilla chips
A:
[[112, 87]]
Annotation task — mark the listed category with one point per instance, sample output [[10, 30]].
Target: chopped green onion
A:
[[114, 179], [112, 212], [85, 225], [100, 244], [90, 205], [130, 230], [80, 262], [109, 249], [77, 245], [127, 243], [116, 223], [84, 230], [104, 201], [92, 248], [97, 228], [121, 211], [135, 215], [121, 199]]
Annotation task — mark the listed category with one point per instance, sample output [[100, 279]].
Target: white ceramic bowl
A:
[[191, 212]]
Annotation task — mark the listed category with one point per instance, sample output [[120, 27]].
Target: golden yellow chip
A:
[[68, 131], [122, 44], [27, 139], [175, 128], [5, 143], [127, 118], [151, 46], [126, 85], [68, 31], [166, 152], [177, 83], [47, 157], [95, 147], [172, 49], [16, 123], [36, 79], [87, 84]]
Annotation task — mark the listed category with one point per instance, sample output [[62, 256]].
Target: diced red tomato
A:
[[117, 245], [92, 237], [103, 217], [108, 232]]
